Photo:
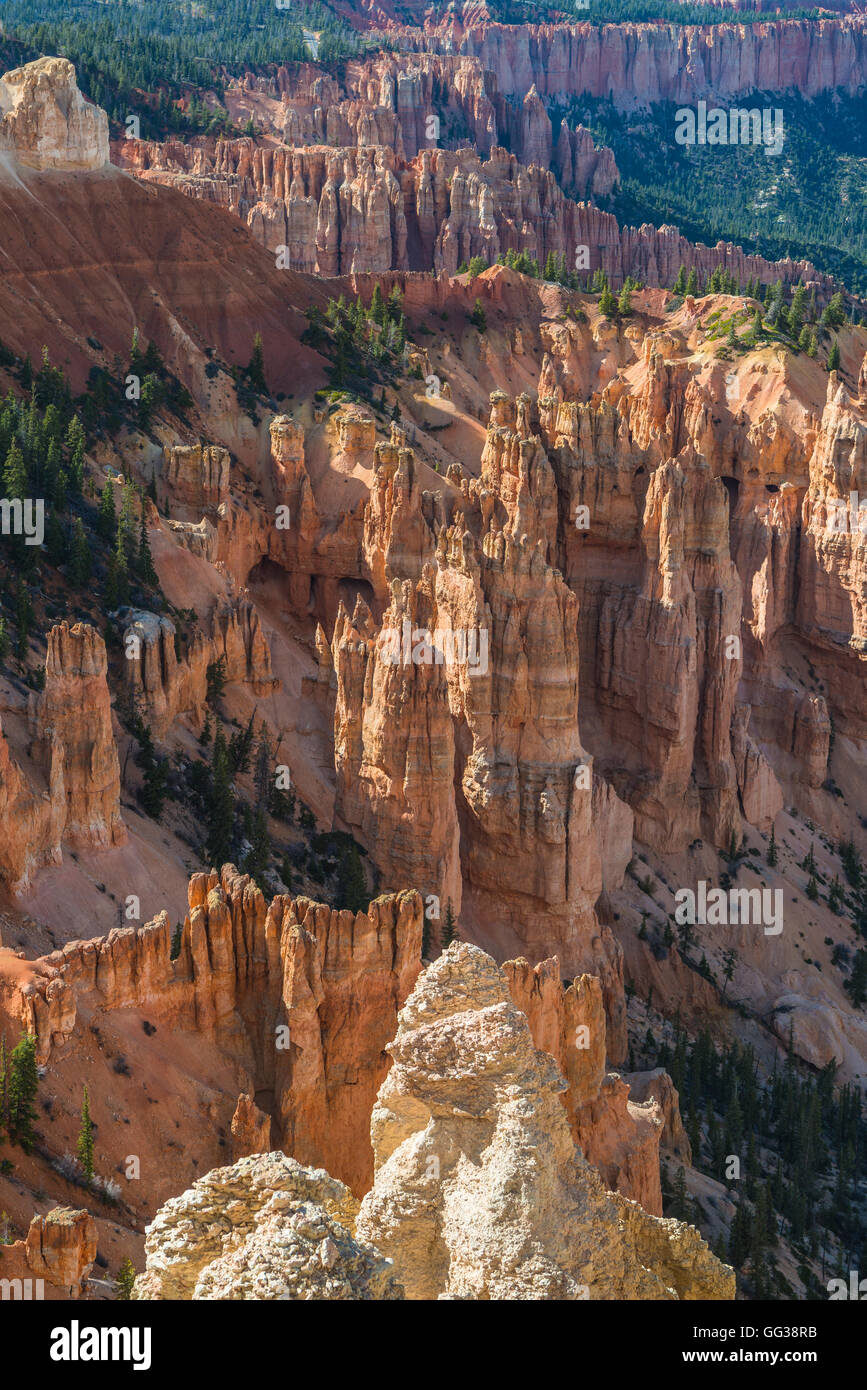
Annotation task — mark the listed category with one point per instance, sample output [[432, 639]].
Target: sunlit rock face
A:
[[45, 121]]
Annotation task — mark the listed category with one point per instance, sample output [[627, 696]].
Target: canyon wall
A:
[[341, 211], [638, 64]]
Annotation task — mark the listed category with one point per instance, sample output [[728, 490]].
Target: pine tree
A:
[[680, 282], [729, 959], [679, 1198], [798, 310], [448, 931], [155, 772], [144, 559], [23, 1084], [125, 1279], [772, 849], [856, 985], [84, 1146], [607, 304], [15, 473], [351, 881], [624, 303], [477, 317], [112, 593], [106, 521], [834, 357], [377, 305], [692, 282], [394, 305], [814, 344], [75, 440], [256, 367], [80, 560], [221, 807], [126, 546]]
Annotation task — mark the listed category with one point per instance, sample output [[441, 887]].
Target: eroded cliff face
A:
[[456, 715], [346, 211], [45, 122], [470, 1111], [637, 64], [645, 623], [59, 777], [301, 997], [164, 684], [423, 160]]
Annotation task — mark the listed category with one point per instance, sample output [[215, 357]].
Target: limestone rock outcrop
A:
[[251, 1128], [61, 1248], [45, 122], [265, 1229], [615, 1133], [166, 681], [195, 477], [66, 788], [479, 1190]]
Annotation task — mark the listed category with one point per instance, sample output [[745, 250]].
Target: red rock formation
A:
[[658, 1086], [350, 210], [195, 477], [68, 789], [636, 64], [61, 1248], [302, 998], [617, 1135], [54, 1260], [251, 1128], [166, 685]]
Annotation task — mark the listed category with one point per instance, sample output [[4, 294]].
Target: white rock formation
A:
[[265, 1228], [46, 123], [480, 1191]]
